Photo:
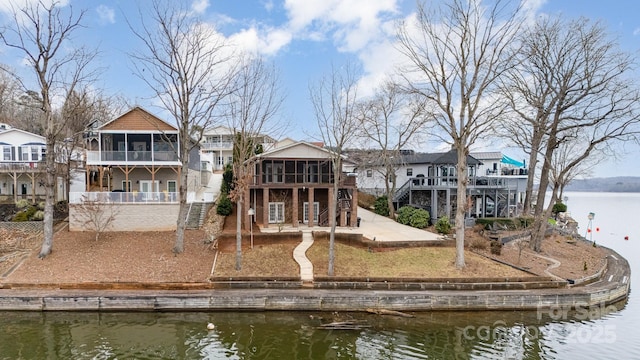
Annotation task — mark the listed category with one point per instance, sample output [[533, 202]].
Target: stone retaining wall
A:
[[130, 217]]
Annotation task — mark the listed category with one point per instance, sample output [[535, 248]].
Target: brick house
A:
[[290, 177]]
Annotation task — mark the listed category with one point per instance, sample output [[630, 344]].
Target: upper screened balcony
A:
[[136, 138], [135, 149]]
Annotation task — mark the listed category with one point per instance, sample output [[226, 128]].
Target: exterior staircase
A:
[[197, 214]]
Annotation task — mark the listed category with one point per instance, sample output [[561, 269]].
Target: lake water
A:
[[598, 333]]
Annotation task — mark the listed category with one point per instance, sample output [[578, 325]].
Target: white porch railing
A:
[[136, 197], [124, 197]]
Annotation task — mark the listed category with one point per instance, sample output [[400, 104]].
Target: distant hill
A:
[[609, 184]]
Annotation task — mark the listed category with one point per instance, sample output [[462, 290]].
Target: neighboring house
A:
[[138, 152], [287, 179], [429, 180], [217, 146], [22, 165], [137, 163]]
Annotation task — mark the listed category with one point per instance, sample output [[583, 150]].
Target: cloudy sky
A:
[[304, 38]]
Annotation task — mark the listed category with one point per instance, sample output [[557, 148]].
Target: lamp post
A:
[[589, 229], [251, 212]]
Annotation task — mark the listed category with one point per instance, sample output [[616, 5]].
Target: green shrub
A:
[[443, 226], [227, 179], [22, 203], [224, 188], [21, 216], [26, 214], [419, 219], [41, 205], [559, 207], [381, 206], [224, 206], [404, 214], [38, 216]]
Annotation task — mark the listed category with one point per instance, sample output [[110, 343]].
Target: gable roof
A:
[[20, 137], [443, 158], [138, 119], [299, 150]]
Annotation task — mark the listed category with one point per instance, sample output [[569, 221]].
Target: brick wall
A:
[[132, 217]]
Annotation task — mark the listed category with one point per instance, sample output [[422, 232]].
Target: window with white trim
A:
[[171, 186], [369, 173], [6, 153], [409, 171], [276, 212]]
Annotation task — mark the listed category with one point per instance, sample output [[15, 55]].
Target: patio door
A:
[[305, 212], [276, 212], [149, 188]]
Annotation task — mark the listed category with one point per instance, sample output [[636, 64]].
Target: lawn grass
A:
[[264, 260], [427, 262]]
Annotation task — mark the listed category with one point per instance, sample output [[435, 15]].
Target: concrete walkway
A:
[[299, 255]]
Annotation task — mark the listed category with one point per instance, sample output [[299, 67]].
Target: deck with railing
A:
[[216, 145], [98, 157], [300, 180], [13, 166], [124, 197]]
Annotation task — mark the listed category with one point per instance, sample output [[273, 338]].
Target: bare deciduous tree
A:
[[579, 85], [9, 90], [189, 67], [335, 104], [457, 54], [95, 215], [252, 109], [390, 121], [41, 33], [80, 109]]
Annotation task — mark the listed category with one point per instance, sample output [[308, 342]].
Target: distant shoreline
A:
[[619, 184]]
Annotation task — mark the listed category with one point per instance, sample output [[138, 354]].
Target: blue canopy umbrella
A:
[[510, 161]]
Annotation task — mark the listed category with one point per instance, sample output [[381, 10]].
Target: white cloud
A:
[[200, 6], [261, 41], [353, 23], [268, 5], [636, 32], [106, 14]]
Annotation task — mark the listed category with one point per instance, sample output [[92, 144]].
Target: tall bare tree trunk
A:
[[47, 243], [461, 205], [239, 206], [181, 223]]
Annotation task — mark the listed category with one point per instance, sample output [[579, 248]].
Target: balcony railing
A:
[[23, 166], [452, 181], [124, 197], [216, 145], [301, 179], [131, 156]]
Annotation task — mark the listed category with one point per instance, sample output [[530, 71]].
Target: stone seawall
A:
[[612, 287]]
